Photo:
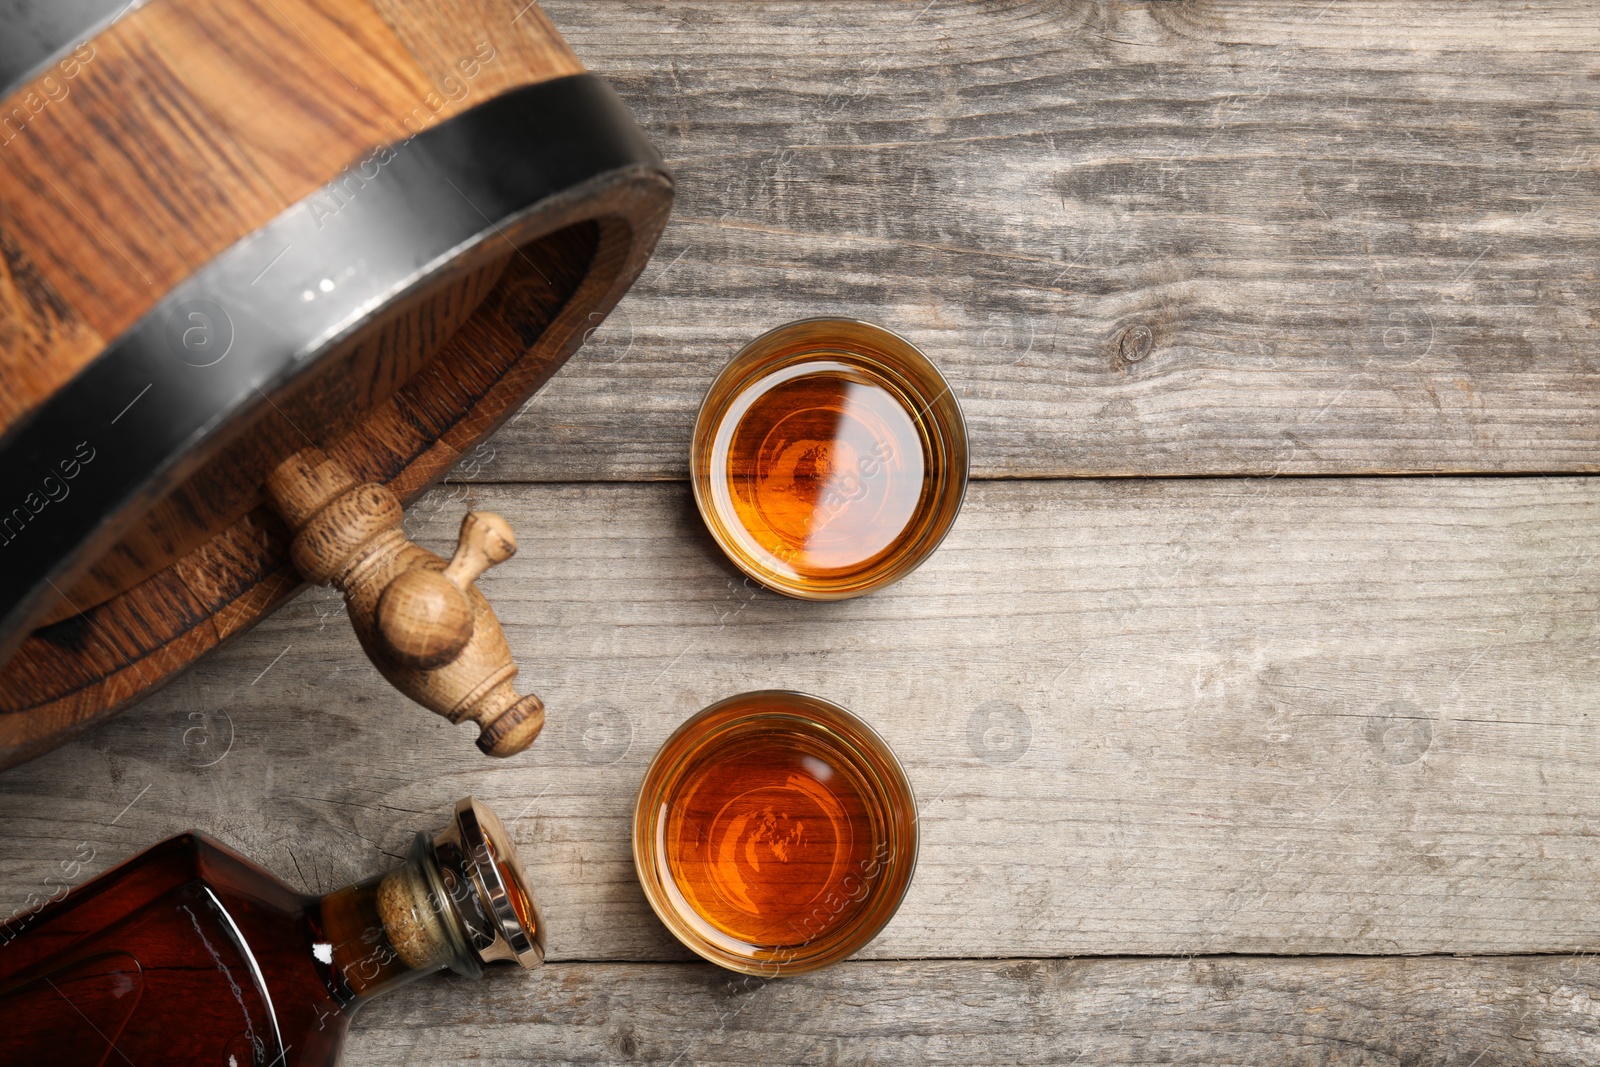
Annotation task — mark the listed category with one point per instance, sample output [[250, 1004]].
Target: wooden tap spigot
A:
[[422, 621]]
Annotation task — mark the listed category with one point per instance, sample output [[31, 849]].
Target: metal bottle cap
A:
[[498, 912]]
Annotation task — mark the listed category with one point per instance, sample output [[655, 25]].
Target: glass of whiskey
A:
[[829, 458], [775, 833]]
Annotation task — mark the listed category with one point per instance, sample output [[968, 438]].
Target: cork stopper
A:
[[464, 899], [413, 922]]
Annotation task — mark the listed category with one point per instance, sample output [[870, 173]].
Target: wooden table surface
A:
[[1253, 701]]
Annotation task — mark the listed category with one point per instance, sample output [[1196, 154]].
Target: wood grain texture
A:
[[1240, 716], [1170, 238], [302, 86], [189, 124], [451, 38], [127, 184], [1141, 717], [92, 665], [1512, 1012], [41, 337]]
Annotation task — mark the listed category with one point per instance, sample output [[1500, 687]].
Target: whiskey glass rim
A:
[[767, 705], [944, 416]]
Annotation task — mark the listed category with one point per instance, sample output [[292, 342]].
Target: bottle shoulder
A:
[[197, 932]]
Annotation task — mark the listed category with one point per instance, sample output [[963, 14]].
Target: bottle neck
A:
[[389, 930]]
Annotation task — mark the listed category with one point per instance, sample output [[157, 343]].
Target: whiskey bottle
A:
[[191, 954]]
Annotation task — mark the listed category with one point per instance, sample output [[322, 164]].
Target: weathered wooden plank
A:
[[1143, 717], [1208, 237], [1506, 1011]]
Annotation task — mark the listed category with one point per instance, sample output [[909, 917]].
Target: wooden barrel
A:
[[233, 229]]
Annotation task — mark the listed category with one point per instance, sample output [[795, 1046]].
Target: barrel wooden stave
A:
[[123, 222]]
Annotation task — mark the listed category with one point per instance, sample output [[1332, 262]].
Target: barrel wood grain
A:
[[41, 337], [1510, 1011], [1141, 717], [301, 86], [114, 219], [1209, 237], [189, 124], [449, 39]]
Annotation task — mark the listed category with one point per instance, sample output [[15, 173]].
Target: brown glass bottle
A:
[[190, 954]]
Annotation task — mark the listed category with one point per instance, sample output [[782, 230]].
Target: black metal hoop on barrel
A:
[[258, 317]]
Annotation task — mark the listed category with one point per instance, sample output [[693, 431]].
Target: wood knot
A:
[[1135, 343]]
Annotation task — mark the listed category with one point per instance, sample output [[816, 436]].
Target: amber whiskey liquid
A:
[[775, 833], [829, 458]]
